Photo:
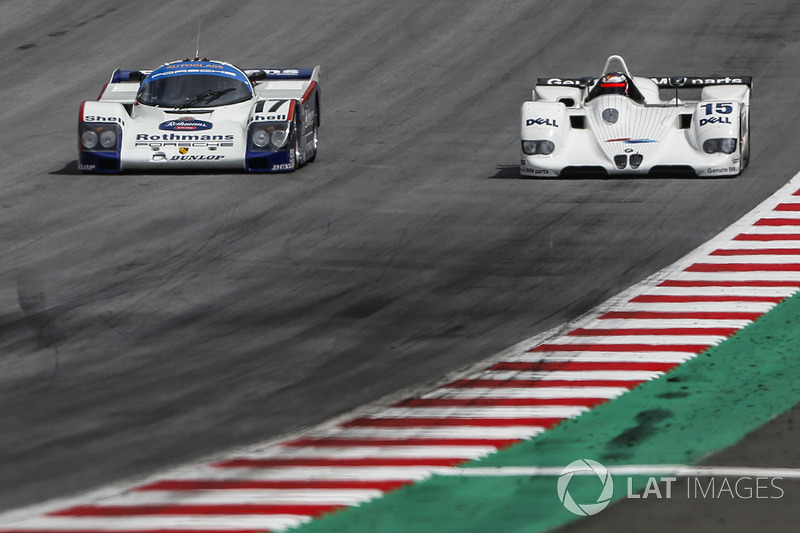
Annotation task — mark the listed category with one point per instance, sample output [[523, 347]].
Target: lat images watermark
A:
[[595, 489], [585, 466]]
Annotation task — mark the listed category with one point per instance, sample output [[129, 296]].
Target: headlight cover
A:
[[726, 146], [268, 136], [538, 147], [99, 137]]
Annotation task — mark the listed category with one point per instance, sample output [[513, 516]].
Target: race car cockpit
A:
[[194, 84], [616, 83]]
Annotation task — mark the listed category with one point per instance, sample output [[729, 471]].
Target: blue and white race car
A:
[[620, 124], [201, 114]]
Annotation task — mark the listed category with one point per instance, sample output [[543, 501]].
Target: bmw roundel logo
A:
[[610, 115]]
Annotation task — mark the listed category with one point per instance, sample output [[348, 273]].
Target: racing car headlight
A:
[[546, 147], [108, 139], [269, 137], [279, 138], [89, 139], [726, 145], [538, 147], [260, 138], [99, 137]]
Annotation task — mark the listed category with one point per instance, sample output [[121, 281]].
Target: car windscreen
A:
[[193, 90]]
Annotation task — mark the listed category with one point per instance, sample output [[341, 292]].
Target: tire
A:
[[314, 142], [314, 137], [297, 156], [746, 144]]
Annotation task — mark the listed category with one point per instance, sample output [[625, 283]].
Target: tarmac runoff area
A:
[[511, 447]]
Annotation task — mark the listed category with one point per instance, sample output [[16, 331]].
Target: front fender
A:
[[715, 120], [101, 116]]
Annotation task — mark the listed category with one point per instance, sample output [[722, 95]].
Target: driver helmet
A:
[[614, 83]]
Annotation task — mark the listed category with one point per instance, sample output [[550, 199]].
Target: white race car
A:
[[201, 114], [623, 124]]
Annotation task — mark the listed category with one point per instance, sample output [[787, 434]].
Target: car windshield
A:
[[193, 90]]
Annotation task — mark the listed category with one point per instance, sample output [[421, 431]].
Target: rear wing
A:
[[672, 82], [260, 74], [123, 86], [683, 82], [566, 82], [299, 83]]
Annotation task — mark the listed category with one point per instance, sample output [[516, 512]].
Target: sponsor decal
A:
[[97, 118], [157, 145], [541, 122], [197, 157], [701, 81], [264, 118], [185, 124], [628, 140], [194, 65], [281, 72], [723, 170], [534, 171], [86, 167], [718, 108], [559, 81], [182, 137], [715, 120], [283, 166], [183, 150], [195, 68]]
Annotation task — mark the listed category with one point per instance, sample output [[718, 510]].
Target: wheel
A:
[[314, 137], [296, 158], [314, 141], [745, 136]]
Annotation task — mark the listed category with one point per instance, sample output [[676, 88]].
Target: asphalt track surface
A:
[[149, 320]]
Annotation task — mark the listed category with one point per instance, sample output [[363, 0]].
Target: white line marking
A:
[[759, 245], [364, 452], [630, 470], [767, 259], [574, 375], [699, 307], [454, 432], [621, 323], [773, 230], [706, 340], [779, 292], [179, 523], [737, 276], [521, 393], [305, 473], [545, 411], [611, 357], [246, 497]]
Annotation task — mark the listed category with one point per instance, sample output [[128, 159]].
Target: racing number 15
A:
[[719, 107]]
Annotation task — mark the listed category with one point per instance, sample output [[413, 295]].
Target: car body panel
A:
[[639, 132], [200, 135]]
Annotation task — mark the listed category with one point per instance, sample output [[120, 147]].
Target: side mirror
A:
[[256, 75]]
